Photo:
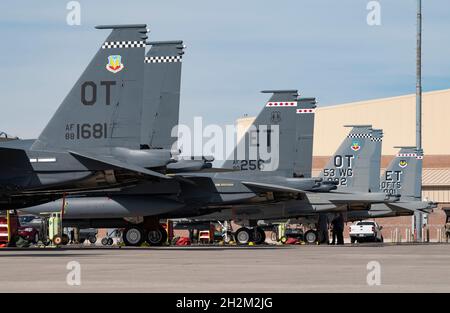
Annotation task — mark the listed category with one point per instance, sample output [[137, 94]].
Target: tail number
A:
[[86, 131], [249, 165], [341, 181]]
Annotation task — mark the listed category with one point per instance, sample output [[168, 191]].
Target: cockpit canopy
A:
[[4, 136]]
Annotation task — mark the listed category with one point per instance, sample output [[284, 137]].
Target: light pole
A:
[[418, 215]]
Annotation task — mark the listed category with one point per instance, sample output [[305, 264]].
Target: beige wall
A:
[[242, 124], [439, 194], [396, 116]]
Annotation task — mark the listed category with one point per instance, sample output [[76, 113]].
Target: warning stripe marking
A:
[[306, 111], [281, 104]]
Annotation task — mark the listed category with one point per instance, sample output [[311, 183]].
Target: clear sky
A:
[[324, 48]]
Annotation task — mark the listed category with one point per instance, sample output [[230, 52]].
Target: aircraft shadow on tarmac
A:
[[50, 254], [60, 251]]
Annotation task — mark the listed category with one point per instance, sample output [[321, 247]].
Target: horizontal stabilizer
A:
[[117, 164], [412, 206], [272, 187]]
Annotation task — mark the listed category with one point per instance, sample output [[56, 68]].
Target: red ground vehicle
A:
[[14, 227], [28, 233]]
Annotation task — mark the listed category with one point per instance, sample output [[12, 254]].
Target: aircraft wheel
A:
[[65, 239], [243, 235], [110, 241], [273, 236], [133, 236], [259, 236], [104, 241], [157, 237], [352, 239], [92, 239], [36, 238], [311, 236]]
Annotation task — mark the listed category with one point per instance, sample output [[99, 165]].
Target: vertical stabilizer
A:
[[104, 107], [162, 73]]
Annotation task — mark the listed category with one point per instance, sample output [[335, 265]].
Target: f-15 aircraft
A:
[[93, 139], [403, 176]]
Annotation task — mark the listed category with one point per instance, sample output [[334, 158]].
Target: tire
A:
[[110, 241], [259, 236], [104, 241], [82, 241], [36, 238], [273, 236], [133, 236], [352, 240], [311, 237], [243, 236], [156, 237], [57, 240], [92, 239], [65, 239]]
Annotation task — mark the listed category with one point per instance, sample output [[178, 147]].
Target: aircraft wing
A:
[[422, 206], [272, 187], [117, 163]]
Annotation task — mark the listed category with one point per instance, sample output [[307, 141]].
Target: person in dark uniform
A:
[[72, 235], [323, 229], [333, 230], [339, 229], [447, 230]]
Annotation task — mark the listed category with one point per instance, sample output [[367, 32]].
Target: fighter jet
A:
[[93, 139], [160, 111], [403, 176]]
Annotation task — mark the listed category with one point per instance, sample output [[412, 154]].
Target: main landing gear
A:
[[149, 231], [245, 235]]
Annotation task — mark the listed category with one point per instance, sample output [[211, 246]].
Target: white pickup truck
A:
[[366, 231]]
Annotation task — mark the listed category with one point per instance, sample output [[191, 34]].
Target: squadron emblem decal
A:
[[276, 117], [115, 64], [355, 146], [403, 163]]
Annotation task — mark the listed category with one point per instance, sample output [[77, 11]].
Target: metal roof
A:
[[436, 177]]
